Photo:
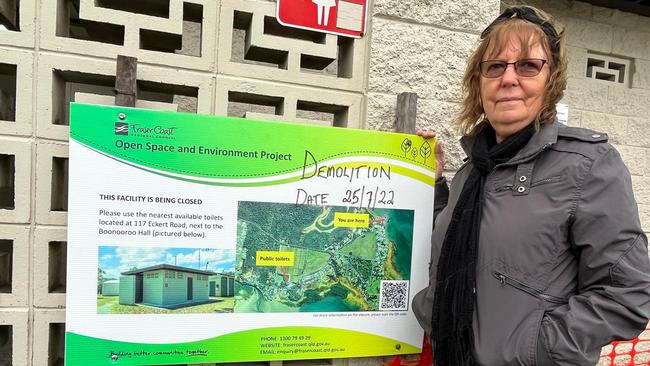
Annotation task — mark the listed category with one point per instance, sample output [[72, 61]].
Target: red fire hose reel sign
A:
[[341, 17]]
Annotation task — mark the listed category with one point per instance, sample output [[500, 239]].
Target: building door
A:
[[189, 288], [138, 288], [224, 287], [213, 288], [231, 287]]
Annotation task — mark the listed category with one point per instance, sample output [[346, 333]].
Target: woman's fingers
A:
[[440, 148], [440, 159], [439, 151], [426, 134]]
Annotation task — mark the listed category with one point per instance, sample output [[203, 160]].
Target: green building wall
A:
[[176, 291], [111, 288], [152, 287], [127, 290], [175, 287], [201, 290]]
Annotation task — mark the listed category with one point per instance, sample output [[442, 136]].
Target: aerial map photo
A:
[[305, 258]]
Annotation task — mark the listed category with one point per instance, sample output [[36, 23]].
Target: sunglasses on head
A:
[[530, 16]]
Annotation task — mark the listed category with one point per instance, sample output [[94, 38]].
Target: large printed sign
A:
[[201, 239], [342, 17]]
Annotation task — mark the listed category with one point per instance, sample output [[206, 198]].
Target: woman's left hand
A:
[[438, 150]]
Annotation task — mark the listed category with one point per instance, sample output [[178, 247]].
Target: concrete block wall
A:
[[225, 57], [422, 47]]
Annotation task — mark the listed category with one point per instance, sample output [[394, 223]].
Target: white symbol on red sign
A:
[[342, 17], [324, 10]]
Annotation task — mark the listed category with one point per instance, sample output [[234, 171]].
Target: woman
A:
[[538, 258]]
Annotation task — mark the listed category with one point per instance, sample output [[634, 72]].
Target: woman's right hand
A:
[[439, 151]]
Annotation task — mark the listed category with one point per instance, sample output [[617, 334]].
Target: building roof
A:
[[168, 267]]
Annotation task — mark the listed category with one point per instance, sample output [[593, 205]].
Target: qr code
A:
[[394, 295]]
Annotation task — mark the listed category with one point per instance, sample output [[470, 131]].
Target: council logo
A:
[[121, 128]]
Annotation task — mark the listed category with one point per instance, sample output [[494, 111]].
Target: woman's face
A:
[[510, 101]]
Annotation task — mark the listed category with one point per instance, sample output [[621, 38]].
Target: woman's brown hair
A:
[[525, 33]]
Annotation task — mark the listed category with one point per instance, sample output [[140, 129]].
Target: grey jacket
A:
[[563, 263]]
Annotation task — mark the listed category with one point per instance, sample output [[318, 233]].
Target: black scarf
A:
[[453, 304]]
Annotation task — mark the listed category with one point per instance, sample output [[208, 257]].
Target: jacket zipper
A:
[[508, 186], [505, 280], [504, 187], [547, 180]]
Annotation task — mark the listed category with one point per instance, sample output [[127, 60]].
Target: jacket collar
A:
[[545, 137]]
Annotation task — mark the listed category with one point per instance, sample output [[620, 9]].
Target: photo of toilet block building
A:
[[222, 285], [164, 285]]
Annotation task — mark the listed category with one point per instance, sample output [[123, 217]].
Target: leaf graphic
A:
[[406, 145], [425, 150]]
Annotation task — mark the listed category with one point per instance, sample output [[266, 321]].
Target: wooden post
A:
[[405, 112], [125, 81]]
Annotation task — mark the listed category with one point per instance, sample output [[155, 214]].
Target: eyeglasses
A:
[[525, 67]]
